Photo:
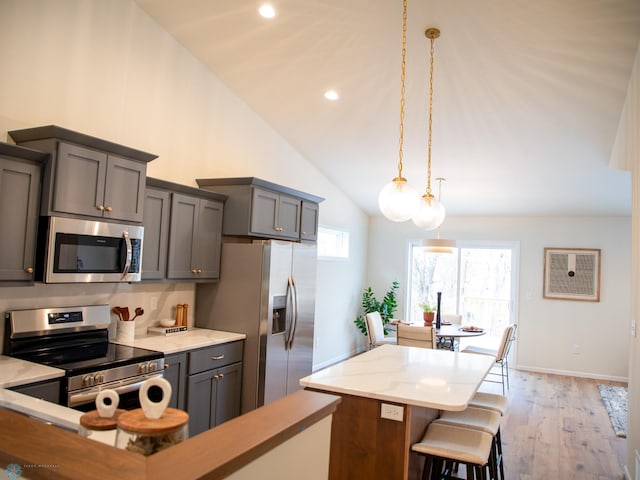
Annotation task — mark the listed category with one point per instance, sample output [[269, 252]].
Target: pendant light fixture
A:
[[439, 245], [430, 212], [398, 200]]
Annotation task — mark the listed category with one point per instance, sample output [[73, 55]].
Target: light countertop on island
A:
[[423, 377], [192, 339]]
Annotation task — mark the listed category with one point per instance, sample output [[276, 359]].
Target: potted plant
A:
[[386, 307], [428, 313]]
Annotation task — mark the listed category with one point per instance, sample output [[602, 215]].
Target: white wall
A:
[[105, 68], [544, 325]]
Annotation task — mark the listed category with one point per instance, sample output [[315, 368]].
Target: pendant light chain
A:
[[432, 33], [402, 88]]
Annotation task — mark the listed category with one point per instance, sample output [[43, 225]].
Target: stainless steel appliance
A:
[[266, 291], [75, 339], [74, 250]]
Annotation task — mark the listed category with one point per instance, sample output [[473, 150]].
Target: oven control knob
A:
[[98, 378], [87, 381], [143, 368], [153, 366]]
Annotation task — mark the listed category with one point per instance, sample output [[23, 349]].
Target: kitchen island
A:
[[389, 396]]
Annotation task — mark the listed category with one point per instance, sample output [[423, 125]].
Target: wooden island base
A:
[[366, 446]]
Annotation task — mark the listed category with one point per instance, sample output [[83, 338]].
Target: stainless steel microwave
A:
[[75, 251]]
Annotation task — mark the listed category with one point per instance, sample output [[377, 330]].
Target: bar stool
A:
[[490, 401], [485, 420], [445, 444]]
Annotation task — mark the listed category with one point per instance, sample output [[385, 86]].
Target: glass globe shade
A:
[[398, 200], [430, 213]]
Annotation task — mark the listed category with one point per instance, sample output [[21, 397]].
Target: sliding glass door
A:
[[477, 281]]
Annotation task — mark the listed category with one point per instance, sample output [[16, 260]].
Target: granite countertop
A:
[[194, 338], [423, 377], [15, 372]]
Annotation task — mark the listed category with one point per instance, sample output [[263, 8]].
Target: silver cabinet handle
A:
[[218, 357]]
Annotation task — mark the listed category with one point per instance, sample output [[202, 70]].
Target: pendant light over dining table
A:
[[398, 200], [430, 212]]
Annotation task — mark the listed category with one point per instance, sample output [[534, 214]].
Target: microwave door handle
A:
[[127, 263]]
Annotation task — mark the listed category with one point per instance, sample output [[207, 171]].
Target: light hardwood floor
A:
[[557, 428]]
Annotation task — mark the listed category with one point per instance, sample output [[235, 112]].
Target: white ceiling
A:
[[527, 94]]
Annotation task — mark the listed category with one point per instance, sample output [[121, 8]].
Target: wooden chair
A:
[[501, 355], [375, 330], [414, 336]]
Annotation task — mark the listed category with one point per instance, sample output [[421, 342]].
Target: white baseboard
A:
[[571, 373]]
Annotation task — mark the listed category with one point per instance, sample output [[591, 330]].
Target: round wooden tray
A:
[[93, 421], [135, 421]]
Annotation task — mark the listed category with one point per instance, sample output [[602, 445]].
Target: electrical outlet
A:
[[154, 302], [633, 328], [391, 412], [576, 349]]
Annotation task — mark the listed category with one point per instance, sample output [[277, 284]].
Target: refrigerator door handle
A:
[[292, 306], [294, 323]]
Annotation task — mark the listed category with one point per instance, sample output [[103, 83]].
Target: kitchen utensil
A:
[[139, 312], [117, 311], [125, 313]]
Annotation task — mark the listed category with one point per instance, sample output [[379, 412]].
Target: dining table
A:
[[455, 332]]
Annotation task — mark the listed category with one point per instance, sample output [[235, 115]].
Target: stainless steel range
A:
[[76, 340]]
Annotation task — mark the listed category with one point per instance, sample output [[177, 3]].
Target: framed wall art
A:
[[572, 274]]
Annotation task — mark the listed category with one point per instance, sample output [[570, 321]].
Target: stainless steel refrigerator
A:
[[266, 291]]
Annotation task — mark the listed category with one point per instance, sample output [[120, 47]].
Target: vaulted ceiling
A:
[[527, 94]]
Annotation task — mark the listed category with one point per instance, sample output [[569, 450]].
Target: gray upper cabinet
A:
[[182, 232], [157, 206], [195, 237], [309, 221], [20, 171], [257, 208], [275, 214], [87, 176]]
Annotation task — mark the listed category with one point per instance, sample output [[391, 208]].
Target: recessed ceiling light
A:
[[267, 11], [331, 95]]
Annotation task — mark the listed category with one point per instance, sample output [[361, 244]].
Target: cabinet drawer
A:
[[214, 357]]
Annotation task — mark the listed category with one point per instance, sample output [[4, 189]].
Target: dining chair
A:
[[375, 330], [444, 342], [501, 355], [416, 336]]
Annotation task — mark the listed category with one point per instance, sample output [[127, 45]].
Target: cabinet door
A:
[[175, 372], [228, 397], [288, 224], [201, 395], [208, 239], [309, 221], [264, 210], [182, 237], [79, 180], [19, 192], [156, 234], [124, 189]]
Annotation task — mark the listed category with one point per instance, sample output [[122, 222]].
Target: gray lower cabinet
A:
[[214, 385], [20, 171], [175, 372], [195, 238], [48, 390], [87, 176]]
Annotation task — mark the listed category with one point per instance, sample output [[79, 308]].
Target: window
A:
[[476, 281], [333, 243]]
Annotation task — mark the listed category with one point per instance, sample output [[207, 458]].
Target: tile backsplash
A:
[[157, 300]]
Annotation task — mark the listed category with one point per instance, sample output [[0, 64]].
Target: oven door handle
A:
[[127, 263], [82, 398]]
